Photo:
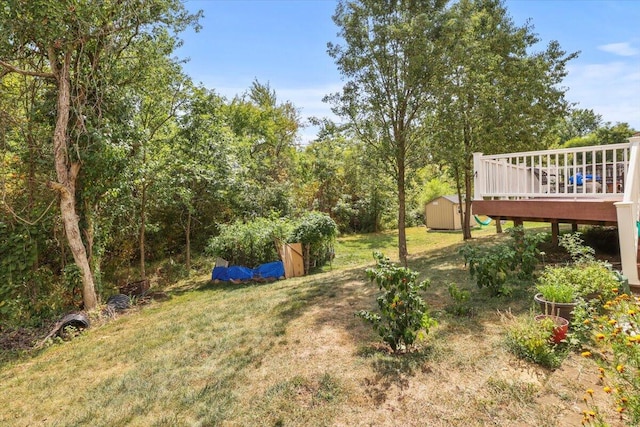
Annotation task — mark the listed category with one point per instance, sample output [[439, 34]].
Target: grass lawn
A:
[[292, 353]]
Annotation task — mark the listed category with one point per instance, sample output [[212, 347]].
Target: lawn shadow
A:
[[325, 291], [201, 284], [393, 370]]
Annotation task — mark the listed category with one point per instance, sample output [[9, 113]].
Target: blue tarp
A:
[[271, 270], [587, 177]]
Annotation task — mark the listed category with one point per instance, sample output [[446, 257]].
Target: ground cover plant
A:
[[292, 353]]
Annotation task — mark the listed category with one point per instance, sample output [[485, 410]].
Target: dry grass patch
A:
[[292, 353]]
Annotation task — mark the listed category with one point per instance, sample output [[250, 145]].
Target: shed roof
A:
[[453, 199]]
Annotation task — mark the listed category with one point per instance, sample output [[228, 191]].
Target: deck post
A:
[[555, 232], [479, 181], [628, 237], [627, 212]]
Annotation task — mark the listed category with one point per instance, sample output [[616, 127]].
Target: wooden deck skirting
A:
[[552, 210]]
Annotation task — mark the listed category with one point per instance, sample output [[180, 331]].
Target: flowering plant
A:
[[616, 338]]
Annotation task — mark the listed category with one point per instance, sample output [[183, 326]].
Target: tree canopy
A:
[[495, 95], [389, 62]]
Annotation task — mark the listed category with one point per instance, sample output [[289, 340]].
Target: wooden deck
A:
[[553, 210], [596, 185]]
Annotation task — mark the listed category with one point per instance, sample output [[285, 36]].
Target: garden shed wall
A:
[[443, 213]]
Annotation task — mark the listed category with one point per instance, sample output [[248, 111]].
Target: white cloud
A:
[[609, 89], [622, 49]]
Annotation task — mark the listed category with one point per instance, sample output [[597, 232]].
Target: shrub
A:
[[250, 243], [603, 239], [574, 245], [499, 267], [403, 317], [317, 232], [257, 242], [586, 278], [556, 284], [461, 298]]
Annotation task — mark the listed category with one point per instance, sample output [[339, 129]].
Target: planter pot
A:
[[560, 330], [562, 309]]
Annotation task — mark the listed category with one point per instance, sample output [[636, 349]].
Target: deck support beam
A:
[[555, 232]]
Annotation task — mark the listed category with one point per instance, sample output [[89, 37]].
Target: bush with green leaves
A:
[[461, 305], [317, 233], [403, 317], [574, 245], [586, 277], [257, 241], [499, 267], [250, 243]]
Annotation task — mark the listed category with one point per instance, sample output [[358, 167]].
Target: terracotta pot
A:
[[562, 309], [561, 328]]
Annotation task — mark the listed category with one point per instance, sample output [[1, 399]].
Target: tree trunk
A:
[[141, 237], [456, 175], [67, 174], [307, 261], [402, 234], [468, 176], [467, 205], [188, 241]]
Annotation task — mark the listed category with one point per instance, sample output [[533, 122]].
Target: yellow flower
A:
[[607, 389], [620, 409], [600, 336], [586, 354], [586, 321], [612, 321], [620, 368], [590, 391]]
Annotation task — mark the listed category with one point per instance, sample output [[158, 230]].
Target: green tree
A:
[[265, 131], [161, 92], [198, 172], [389, 61], [494, 96], [578, 123], [321, 169], [78, 48]]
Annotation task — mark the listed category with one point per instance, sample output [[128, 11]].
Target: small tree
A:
[[403, 317]]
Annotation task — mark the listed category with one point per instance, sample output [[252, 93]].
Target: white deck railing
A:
[[586, 172]]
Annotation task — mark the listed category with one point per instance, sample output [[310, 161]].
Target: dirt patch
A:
[[20, 339]]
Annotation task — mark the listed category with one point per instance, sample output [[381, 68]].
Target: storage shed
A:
[[443, 213]]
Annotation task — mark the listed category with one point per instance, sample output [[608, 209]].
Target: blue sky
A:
[[283, 43]]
